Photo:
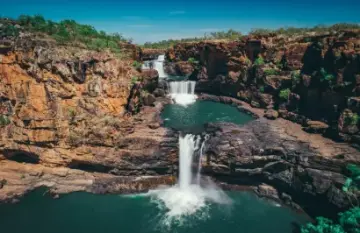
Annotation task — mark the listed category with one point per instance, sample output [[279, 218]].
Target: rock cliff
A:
[[306, 79], [70, 116]]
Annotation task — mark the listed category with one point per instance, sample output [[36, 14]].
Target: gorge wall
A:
[[310, 79], [66, 120], [74, 119]]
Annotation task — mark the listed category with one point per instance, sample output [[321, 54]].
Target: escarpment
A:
[[75, 119], [310, 79], [70, 120]]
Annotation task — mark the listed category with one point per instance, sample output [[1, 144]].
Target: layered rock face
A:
[[305, 166], [312, 77], [66, 108]]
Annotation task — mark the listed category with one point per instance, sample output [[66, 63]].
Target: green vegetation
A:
[[354, 119], [262, 89], [284, 94], [295, 78], [221, 35], [193, 60], [65, 31], [271, 72], [9, 30], [297, 31], [137, 65], [72, 115], [351, 118], [247, 61], [4, 120], [352, 183], [325, 76], [134, 80], [259, 61], [348, 221]]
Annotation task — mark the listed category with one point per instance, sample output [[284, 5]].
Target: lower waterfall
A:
[[188, 197]]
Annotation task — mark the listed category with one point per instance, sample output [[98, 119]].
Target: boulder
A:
[[271, 114], [148, 99], [316, 127]]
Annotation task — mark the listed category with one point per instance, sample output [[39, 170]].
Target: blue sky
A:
[[157, 20]]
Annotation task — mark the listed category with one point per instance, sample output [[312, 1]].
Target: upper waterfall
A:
[[157, 64], [183, 92]]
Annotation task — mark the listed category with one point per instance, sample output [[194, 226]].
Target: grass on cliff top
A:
[[64, 32], [231, 35], [213, 36]]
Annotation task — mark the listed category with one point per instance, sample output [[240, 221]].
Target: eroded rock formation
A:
[[310, 77], [66, 117]]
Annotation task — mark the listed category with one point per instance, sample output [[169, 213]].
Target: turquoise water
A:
[[194, 116], [84, 212]]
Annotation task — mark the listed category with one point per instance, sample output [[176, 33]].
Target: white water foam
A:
[[157, 64], [183, 92], [187, 198]]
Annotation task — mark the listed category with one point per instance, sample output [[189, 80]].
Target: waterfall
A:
[[198, 175], [187, 147], [187, 197], [157, 64], [183, 92]]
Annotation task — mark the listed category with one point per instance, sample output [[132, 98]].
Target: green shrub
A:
[[268, 72], [134, 80], [4, 120], [69, 31], [284, 94], [262, 89], [193, 61], [325, 76], [279, 65], [295, 78], [137, 65], [8, 30], [247, 61], [295, 75], [349, 222], [351, 118], [296, 31], [352, 183], [354, 119], [259, 61], [72, 114]]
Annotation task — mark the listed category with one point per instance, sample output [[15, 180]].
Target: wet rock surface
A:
[[305, 166]]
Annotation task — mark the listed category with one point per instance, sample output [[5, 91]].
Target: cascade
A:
[[198, 175], [187, 197], [182, 92], [157, 64]]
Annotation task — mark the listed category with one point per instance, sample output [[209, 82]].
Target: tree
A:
[[349, 221]]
